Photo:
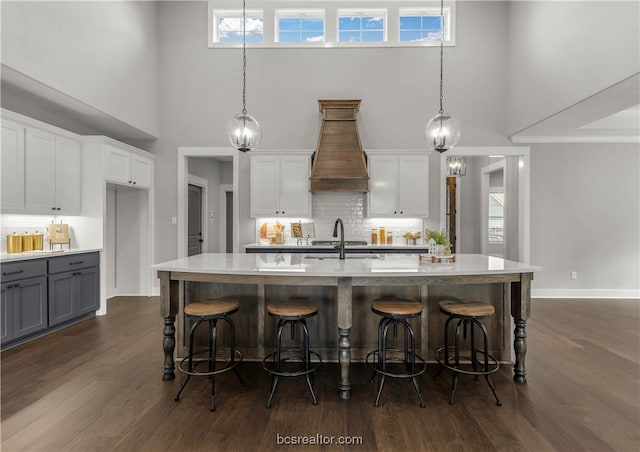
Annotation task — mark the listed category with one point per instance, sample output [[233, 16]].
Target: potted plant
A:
[[440, 244], [410, 238]]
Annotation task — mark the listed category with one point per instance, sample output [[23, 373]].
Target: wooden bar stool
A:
[[210, 311], [293, 314], [396, 312], [478, 359]]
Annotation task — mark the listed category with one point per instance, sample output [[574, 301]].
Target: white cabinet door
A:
[[383, 185], [141, 171], [399, 186], [295, 198], [413, 186], [264, 186], [117, 164], [12, 162], [40, 161], [68, 176]]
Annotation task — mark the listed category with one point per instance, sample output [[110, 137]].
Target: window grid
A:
[[360, 25], [228, 26], [300, 26], [307, 27]]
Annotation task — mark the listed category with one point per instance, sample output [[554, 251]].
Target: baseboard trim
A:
[[585, 293]]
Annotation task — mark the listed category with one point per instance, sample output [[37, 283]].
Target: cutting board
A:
[[58, 233]]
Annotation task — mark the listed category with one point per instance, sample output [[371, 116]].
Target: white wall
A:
[[201, 91], [585, 210], [561, 52], [103, 54]]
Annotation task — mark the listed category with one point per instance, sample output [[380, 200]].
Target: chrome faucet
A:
[[335, 234]]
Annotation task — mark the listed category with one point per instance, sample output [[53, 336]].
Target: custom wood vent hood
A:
[[339, 163]]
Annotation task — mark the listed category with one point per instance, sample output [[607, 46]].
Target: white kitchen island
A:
[[395, 272]]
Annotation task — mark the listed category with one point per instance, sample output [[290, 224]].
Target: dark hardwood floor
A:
[[97, 386]]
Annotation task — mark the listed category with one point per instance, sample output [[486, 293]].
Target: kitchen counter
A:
[[14, 257], [343, 289]]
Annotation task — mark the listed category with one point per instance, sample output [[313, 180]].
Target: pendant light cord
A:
[[244, 60], [441, 53]]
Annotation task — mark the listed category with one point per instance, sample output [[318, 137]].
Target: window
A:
[[300, 25], [423, 24], [331, 23], [357, 25], [228, 26], [496, 217]]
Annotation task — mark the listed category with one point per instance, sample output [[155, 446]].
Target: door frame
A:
[[183, 192], [524, 188], [485, 189], [203, 183], [224, 189]]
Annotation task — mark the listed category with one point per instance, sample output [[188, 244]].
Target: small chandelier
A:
[[443, 131], [243, 131], [457, 166]]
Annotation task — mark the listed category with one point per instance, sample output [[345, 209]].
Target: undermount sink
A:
[[357, 256]]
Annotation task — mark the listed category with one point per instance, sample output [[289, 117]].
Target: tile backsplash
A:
[[351, 208]]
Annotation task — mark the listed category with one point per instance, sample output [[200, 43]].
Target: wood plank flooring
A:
[[97, 386]]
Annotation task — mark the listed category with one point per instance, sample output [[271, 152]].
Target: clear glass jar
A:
[[374, 236], [390, 238], [382, 235]]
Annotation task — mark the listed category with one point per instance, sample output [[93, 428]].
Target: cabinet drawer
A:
[[74, 262], [12, 271]]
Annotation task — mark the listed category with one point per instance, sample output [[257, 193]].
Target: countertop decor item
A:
[[443, 131], [243, 131]]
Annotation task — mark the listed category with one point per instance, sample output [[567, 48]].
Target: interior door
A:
[[494, 208], [194, 227]]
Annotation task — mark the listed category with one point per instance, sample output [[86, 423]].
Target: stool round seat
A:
[[206, 308], [396, 307], [395, 313], [296, 359], [467, 309], [471, 358], [216, 360], [287, 310]]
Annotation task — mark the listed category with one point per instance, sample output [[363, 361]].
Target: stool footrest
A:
[[184, 362], [492, 362], [267, 362], [373, 360]]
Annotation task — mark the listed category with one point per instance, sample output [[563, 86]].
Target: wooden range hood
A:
[[339, 163]]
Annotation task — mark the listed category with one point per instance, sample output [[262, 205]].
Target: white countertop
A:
[[40, 254], [376, 265]]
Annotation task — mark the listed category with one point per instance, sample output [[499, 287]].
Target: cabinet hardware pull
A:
[[16, 285], [12, 273], [53, 208], [76, 263]]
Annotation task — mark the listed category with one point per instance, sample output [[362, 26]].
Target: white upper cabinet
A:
[[127, 167], [399, 186], [12, 167], [53, 174], [280, 186]]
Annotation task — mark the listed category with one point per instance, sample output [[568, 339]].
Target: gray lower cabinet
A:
[[23, 300], [42, 293], [74, 287]]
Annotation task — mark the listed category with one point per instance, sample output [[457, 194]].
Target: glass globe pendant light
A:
[[243, 131], [443, 131]]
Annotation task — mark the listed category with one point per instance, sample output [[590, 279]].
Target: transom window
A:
[[332, 23], [300, 26], [422, 24], [228, 26], [357, 25]]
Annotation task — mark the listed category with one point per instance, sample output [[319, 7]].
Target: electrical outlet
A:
[[574, 275], [213, 214]]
